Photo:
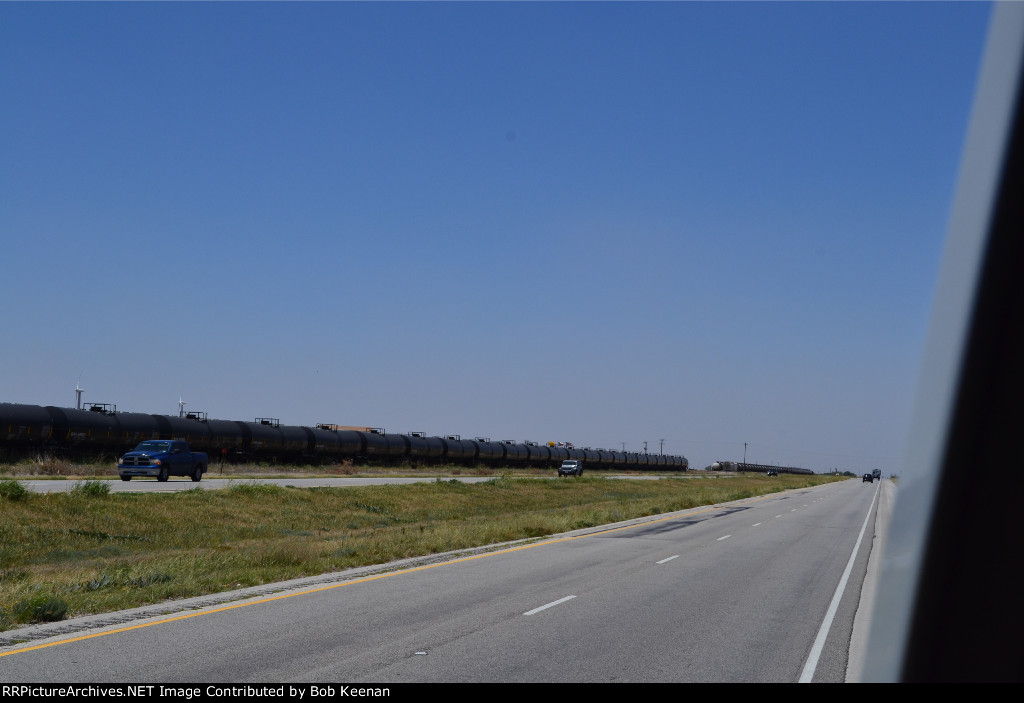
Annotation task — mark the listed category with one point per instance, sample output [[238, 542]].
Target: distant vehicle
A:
[[163, 458], [877, 474], [869, 478], [571, 467], [773, 472]]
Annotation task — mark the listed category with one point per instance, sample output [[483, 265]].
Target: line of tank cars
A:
[[100, 428], [758, 468]]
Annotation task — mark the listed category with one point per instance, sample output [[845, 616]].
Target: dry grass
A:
[[99, 552]]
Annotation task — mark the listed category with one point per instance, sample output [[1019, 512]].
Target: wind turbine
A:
[[181, 407], [78, 393]]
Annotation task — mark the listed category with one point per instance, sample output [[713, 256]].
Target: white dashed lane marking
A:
[[545, 607]]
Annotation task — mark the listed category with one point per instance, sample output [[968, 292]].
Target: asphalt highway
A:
[[759, 590], [175, 484], [183, 484]]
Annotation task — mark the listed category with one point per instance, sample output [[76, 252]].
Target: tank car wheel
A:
[[163, 475], [197, 473]]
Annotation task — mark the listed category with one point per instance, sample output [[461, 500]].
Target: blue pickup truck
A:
[[162, 458]]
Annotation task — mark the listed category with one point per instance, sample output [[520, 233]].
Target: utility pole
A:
[[662, 450], [744, 452]]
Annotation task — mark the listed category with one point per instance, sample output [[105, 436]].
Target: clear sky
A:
[[707, 223]]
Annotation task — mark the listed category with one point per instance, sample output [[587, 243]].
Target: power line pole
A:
[[662, 450], [744, 452]]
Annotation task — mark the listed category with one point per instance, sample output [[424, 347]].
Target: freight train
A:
[[99, 429], [757, 468]]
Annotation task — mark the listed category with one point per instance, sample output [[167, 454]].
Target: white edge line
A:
[[721, 538], [545, 607], [819, 642], [676, 556]]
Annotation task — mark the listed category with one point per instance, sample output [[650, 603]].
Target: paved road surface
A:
[[211, 483], [735, 592]]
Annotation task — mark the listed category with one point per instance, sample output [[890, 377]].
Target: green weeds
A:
[[12, 490], [90, 488], [252, 488], [39, 607]]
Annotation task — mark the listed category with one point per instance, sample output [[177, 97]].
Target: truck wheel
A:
[[126, 478], [163, 475], [197, 473]]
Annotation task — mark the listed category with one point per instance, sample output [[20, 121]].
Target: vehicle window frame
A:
[[948, 607]]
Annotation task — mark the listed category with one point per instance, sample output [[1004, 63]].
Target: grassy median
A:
[[88, 551]]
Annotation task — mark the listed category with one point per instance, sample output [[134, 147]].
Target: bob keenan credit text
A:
[[194, 692]]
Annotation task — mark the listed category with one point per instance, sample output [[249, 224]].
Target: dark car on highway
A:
[[571, 467]]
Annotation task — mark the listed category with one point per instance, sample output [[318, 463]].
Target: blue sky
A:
[[607, 223]]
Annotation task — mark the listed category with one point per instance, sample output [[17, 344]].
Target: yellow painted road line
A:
[[365, 580]]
